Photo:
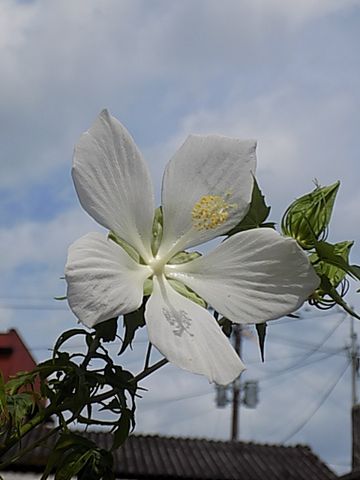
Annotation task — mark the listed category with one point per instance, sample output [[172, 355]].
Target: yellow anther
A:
[[210, 212]]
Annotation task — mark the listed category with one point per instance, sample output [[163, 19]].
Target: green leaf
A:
[[122, 432], [324, 265], [107, 330], [337, 255], [132, 321], [20, 381], [257, 214], [73, 464], [20, 407], [261, 331], [67, 335], [3, 402]]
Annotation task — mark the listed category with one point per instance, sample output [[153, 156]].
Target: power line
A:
[[317, 347], [284, 320], [33, 307], [286, 371], [154, 403], [302, 345], [328, 392]]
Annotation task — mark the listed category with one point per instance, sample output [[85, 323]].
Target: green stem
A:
[[148, 371], [147, 359]]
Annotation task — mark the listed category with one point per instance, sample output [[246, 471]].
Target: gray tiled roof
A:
[[158, 457]]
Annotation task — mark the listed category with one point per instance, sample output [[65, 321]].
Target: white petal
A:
[[103, 281], [206, 165], [252, 277], [188, 336], [113, 182]]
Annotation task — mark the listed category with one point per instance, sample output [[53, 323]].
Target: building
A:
[[355, 471], [14, 355], [150, 457]]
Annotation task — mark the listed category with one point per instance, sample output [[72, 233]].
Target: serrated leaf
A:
[[257, 214], [132, 321], [329, 253], [107, 330], [3, 402], [261, 331], [22, 379], [72, 464], [122, 432], [67, 335], [68, 439], [334, 273]]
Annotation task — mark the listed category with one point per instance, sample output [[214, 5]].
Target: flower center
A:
[[157, 265], [211, 211]]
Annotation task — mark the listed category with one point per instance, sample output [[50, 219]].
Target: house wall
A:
[[356, 438]]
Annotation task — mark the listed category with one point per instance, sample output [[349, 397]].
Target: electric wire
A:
[[317, 347], [323, 399], [288, 370], [38, 307]]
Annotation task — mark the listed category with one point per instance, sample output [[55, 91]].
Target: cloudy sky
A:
[[286, 73]]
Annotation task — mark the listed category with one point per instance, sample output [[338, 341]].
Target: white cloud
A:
[[42, 242], [62, 62]]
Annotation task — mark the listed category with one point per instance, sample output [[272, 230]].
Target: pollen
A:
[[211, 211]]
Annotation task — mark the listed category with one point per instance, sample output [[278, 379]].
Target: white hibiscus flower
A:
[[252, 277]]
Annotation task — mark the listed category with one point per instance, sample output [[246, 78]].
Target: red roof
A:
[[14, 355]]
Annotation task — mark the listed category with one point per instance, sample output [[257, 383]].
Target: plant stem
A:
[[148, 371], [147, 359]]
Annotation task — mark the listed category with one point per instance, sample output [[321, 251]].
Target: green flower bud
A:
[[308, 217]]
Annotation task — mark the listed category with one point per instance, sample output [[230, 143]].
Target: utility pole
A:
[[237, 393], [236, 389], [354, 355]]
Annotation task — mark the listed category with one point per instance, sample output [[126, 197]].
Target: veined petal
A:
[[188, 336], [113, 183], [252, 277], [103, 280], [208, 175]]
